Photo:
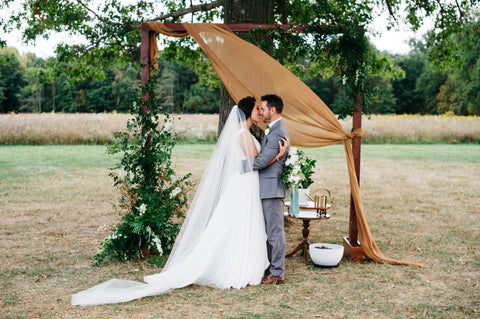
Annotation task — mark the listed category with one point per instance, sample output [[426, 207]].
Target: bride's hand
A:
[[283, 144]]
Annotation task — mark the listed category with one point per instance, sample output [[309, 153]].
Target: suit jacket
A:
[[271, 186]]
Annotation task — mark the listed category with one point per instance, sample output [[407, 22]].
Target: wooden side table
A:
[[304, 244]]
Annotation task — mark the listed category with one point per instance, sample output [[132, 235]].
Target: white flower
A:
[[175, 192], [267, 130], [142, 208], [102, 227], [158, 245], [167, 126], [296, 169]]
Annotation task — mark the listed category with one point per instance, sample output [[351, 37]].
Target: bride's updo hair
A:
[[246, 105]]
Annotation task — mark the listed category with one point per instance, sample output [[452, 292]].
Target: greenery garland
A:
[[151, 196]]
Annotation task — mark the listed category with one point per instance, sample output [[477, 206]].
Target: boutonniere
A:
[[267, 130]]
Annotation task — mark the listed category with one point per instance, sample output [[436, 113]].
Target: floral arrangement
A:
[[152, 200], [298, 169]]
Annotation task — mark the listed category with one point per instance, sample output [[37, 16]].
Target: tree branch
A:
[[283, 9], [460, 11], [95, 14], [390, 9], [192, 9]]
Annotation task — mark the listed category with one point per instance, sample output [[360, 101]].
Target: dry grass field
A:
[[49, 128], [422, 203]]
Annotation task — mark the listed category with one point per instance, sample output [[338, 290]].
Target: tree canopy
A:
[[334, 41], [111, 28]]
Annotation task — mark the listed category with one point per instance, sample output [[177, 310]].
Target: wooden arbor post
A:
[[352, 246], [355, 251]]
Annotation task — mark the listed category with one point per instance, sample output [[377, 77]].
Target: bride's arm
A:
[[282, 150], [247, 144]]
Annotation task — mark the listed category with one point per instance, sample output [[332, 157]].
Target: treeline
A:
[[29, 84], [32, 84]]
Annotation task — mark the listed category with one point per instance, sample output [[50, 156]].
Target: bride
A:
[[222, 242]]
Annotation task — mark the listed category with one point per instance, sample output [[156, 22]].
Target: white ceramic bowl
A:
[[327, 255]]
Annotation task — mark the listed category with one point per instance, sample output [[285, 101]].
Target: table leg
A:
[[304, 244]]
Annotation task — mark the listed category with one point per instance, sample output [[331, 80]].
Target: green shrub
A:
[[151, 197]]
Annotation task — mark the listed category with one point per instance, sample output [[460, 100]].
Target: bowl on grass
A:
[[326, 255]]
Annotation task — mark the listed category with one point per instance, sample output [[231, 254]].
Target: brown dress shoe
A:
[[271, 279], [266, 273]]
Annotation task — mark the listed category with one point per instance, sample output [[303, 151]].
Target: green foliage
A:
[[151, 196], [12, 82], [65, 95], [460, 93], [298, 169], [202, 99], [413, 64], [333, 44]]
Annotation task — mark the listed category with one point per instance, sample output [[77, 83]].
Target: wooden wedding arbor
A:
[[353, 248]]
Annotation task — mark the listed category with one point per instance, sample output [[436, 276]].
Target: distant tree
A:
[[38, 75], [404, 89], [448, 100], [12, 83], [461, 93], [325, 88], [202, 99], [384, 101], [99, 93], [124, 87], [66, 95], [184, 80], [427, 89], [164, 89]]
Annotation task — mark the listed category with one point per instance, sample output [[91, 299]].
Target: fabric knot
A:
[[357, 133]]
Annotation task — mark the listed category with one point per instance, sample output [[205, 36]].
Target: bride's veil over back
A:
[[227, 159]]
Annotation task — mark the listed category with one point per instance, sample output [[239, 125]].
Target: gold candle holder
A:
[[323, 201], [317, 204]]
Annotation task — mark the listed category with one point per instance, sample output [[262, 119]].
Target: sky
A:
[[394, 42]]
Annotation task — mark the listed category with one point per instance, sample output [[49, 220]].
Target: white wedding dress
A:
[[222, 242]]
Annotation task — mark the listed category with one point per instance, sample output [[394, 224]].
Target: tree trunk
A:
[[242, 11], [54, 91]]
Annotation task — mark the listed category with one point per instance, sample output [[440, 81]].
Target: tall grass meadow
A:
[[98, 129]]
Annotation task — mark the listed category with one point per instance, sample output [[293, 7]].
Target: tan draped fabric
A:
[[246, 70]]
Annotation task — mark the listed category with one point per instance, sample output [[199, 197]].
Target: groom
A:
[[272, 190]]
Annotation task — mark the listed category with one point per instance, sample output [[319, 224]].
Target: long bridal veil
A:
[[195, 257], [227, 159]]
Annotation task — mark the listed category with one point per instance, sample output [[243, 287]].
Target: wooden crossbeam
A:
[[244, 27]]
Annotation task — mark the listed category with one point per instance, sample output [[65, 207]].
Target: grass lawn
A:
[[421, 201]]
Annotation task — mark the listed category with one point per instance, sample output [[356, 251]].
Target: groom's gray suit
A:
[[272, 193]]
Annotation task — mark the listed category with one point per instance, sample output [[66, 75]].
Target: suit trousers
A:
[[273, 214]]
